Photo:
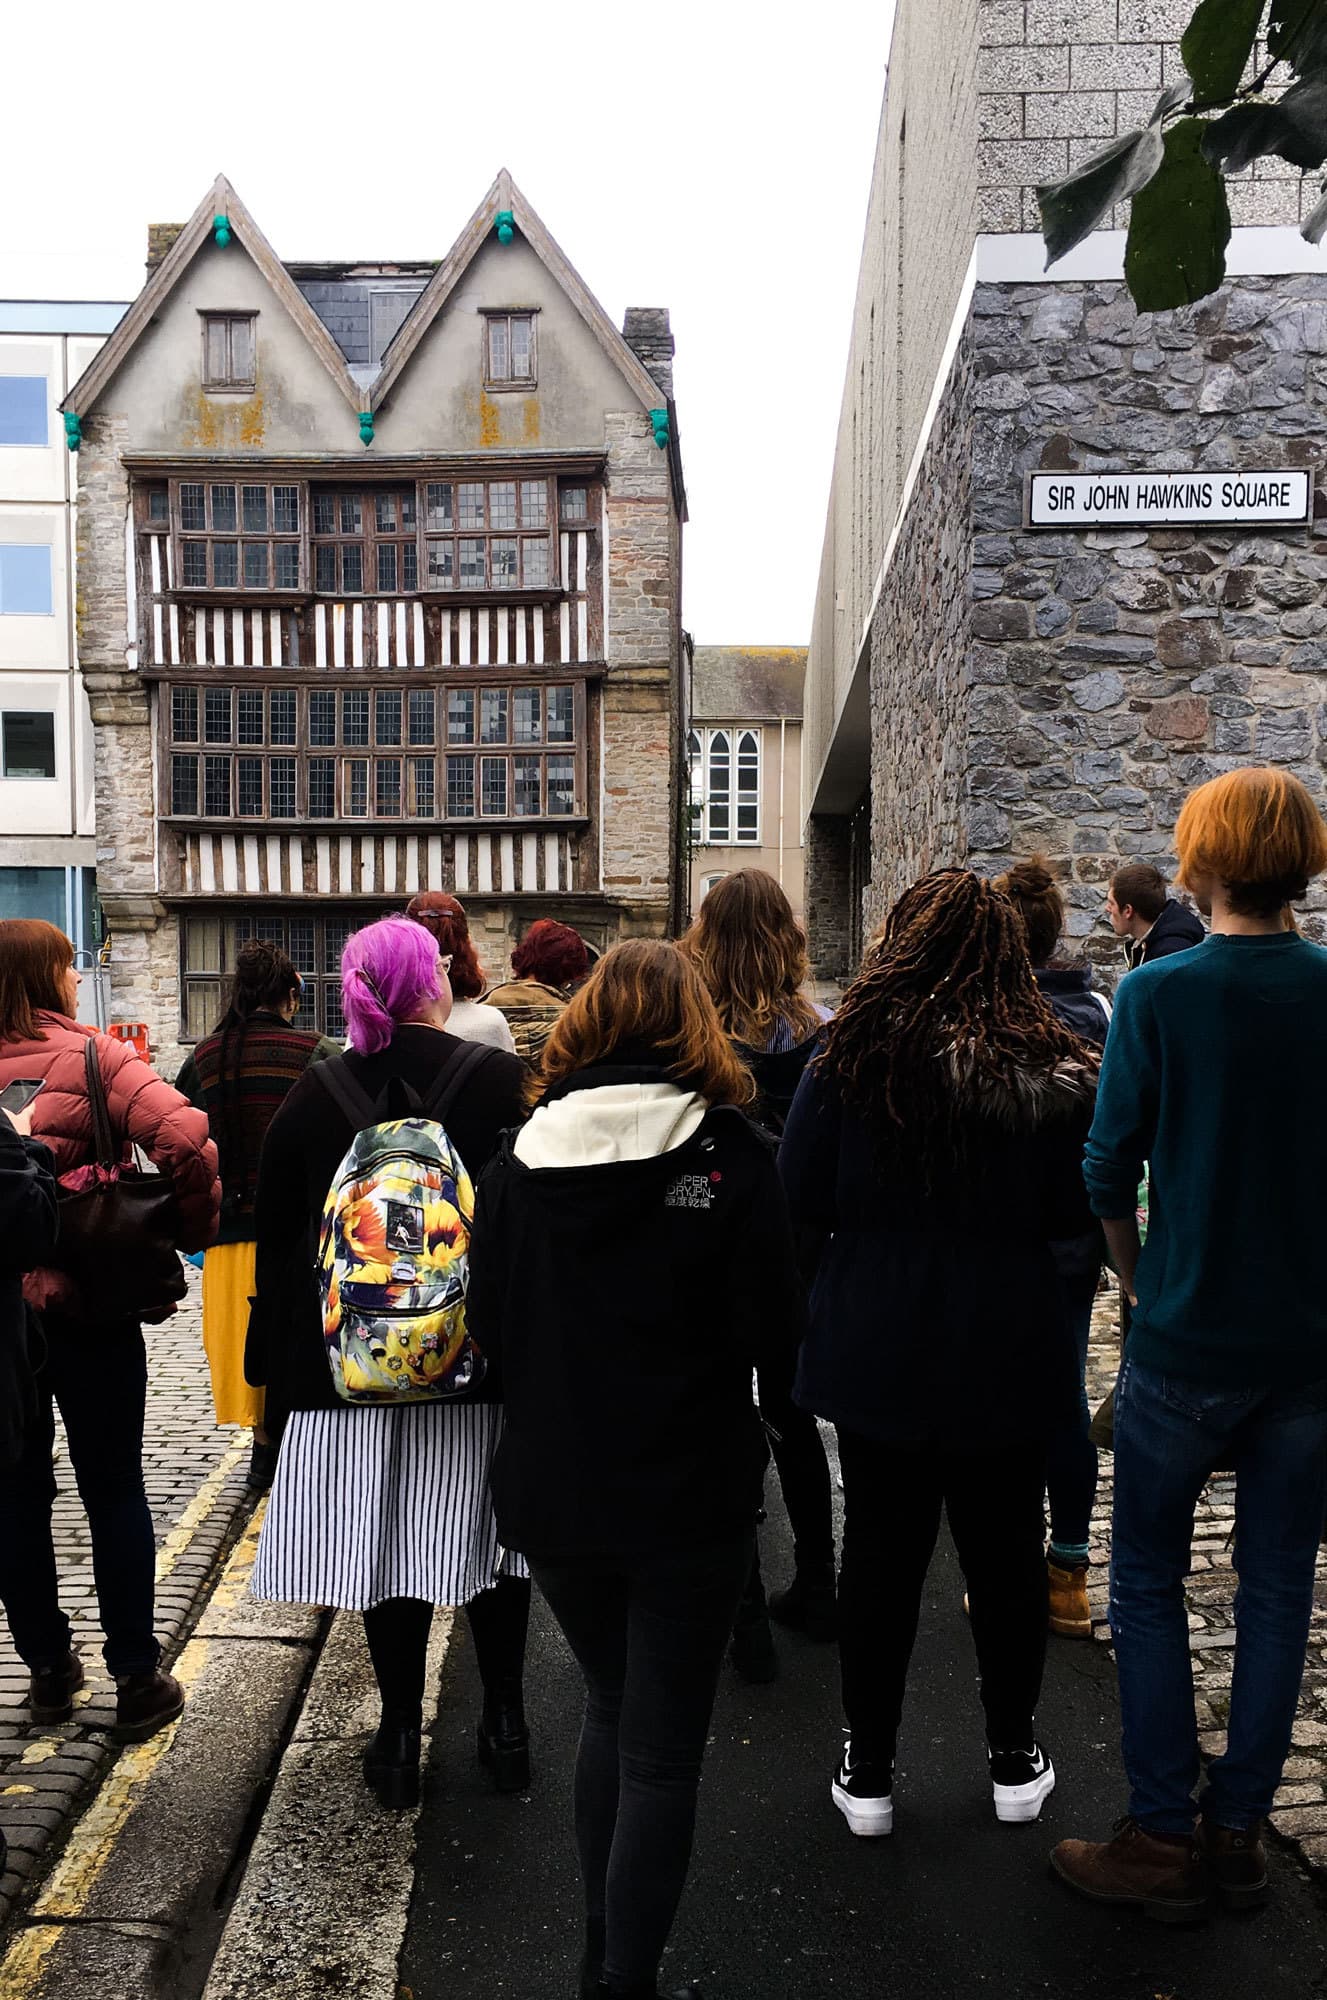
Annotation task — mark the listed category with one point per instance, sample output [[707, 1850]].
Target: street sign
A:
[[1259, 498]]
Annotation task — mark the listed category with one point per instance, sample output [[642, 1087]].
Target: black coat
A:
[[29, 1225], [1176, 929], [305, 1144], [937, 1319], [627, 1304], [1068, 991]]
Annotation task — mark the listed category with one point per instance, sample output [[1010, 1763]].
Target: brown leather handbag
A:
[[119, 1230]]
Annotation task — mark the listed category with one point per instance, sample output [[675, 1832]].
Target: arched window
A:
[[707, 882], [748, 788], [695, 786], [724, 775], [719, 787]]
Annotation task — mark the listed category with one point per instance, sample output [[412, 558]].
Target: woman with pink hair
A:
[[383, 1507]]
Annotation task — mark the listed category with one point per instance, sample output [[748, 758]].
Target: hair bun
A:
[[1030, 878]]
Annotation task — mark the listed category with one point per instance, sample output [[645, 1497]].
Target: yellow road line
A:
[[92, 1839]]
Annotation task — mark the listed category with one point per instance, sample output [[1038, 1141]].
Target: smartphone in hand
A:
[[18, 1095]]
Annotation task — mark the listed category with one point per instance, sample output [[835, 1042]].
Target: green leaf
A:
[[1297, 34], [1072, 208], [1217, 44], [1294, 128], [1179, 227]]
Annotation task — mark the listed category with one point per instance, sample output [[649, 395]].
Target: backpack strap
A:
[[336, 1078], [446, 1085]]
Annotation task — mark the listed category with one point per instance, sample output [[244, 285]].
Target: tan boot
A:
[[1069, 1613], [1165, 1875]]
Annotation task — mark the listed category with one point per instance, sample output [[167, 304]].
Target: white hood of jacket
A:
[[616, 1121]]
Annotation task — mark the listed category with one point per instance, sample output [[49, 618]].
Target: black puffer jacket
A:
[[936, 1317]]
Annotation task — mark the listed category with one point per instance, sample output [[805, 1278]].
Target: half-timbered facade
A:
[[379, 576]]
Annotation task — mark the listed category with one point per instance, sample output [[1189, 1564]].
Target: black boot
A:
[[262, 1466], [692, 1990], [809, 1604], [753, 1653], [391, 1764], [504, 1740]]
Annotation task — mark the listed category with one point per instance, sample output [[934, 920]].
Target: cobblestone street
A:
[[1301, 1814], [195, 1486]]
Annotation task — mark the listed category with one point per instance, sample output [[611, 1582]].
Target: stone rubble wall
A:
[[1114, 671], [919, 646], [1059, 79]]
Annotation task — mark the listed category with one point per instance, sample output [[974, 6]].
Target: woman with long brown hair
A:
[[750, 950], [93, 1364], [937, 1147], [630, 1264]]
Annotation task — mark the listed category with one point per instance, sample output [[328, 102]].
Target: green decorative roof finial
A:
[[73, 430], [221, 230], [366, 427], [659, 418], [505, 222]]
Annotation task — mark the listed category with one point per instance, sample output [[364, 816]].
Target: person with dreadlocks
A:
[[239, 1075], [936, 1148]]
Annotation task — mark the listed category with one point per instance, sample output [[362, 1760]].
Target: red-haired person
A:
[[446, 922], [1214, 1075], [96, 1366], [548, 964], [630, 1468]]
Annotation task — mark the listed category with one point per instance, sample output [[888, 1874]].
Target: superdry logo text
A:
[[690, 1191]]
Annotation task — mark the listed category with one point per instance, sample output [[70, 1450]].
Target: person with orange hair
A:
[[547, 965], [1213, 1073]]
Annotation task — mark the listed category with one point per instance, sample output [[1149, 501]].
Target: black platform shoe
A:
[[391, 1765], [504, 1740]]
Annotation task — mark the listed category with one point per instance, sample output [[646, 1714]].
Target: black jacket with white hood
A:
[[631, 1262]]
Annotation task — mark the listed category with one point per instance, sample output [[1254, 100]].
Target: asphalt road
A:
[[783, 1903]]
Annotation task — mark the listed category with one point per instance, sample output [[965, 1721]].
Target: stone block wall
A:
[[829, 873], [919, 665], [1113, 671], [1059, 79]]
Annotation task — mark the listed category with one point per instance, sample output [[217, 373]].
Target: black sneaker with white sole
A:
[[1022, 1781], [864, 1794]]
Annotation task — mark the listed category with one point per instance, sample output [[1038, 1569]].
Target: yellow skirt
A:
[[228, 1285]]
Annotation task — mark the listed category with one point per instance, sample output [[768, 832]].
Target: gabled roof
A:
[[747, 683], [221, 199], [504, 194]]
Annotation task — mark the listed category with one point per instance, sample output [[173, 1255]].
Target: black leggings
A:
[[893, 1499], [803, 1471], [398, 1635], [649, 1639]]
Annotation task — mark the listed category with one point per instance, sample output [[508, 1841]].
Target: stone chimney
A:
[[160, 237], [647, 332]]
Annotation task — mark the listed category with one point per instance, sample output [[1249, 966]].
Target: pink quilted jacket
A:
[[145, 1111]]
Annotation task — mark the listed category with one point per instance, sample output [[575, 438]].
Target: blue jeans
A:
[[1071, 1456], [1169, 1436]]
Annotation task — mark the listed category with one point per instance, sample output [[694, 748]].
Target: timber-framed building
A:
[[378, 589]]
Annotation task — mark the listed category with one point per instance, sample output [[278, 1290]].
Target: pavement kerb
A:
[[307, 1920], [208, 1519], [126, 1893]]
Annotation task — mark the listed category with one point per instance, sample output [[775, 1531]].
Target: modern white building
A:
[[47, 833]]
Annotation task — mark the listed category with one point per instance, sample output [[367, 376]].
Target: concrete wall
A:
[[918, 241], [1059, 79]]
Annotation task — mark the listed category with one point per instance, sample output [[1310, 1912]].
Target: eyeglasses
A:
[[445, 962]]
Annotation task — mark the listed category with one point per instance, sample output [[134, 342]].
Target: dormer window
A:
[[230, 350], [509, 350]]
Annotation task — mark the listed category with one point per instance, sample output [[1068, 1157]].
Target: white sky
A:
[[714, 158]]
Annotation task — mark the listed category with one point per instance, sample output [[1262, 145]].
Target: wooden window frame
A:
[[237, 922], [231, 383], [491, 316], [369, 539], [356, 764], [209, 537], [520, 533]]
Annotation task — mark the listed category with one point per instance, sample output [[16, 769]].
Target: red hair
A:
[[1258, 833], [34, 958], [445, 921], [551, 952], [644, 994]]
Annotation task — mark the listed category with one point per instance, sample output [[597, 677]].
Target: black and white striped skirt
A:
[[383, 1502]]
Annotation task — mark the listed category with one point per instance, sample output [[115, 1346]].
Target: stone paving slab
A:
[[194, 1475], [1301, 1803]]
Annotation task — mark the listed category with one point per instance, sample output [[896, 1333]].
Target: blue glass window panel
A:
[[25, 580], [23, 406]]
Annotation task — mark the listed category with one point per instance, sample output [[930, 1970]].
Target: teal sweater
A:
[[1215, 1073]]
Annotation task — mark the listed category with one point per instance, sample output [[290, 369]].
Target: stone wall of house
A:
[[1059, 79], [827, 852], [919, 644], [1113, 671]]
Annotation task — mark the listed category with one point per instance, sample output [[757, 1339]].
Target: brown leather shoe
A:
[[145, 1703], [1069, 1613], [51, 1690], [1237, 1863], [1165, 1875]]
